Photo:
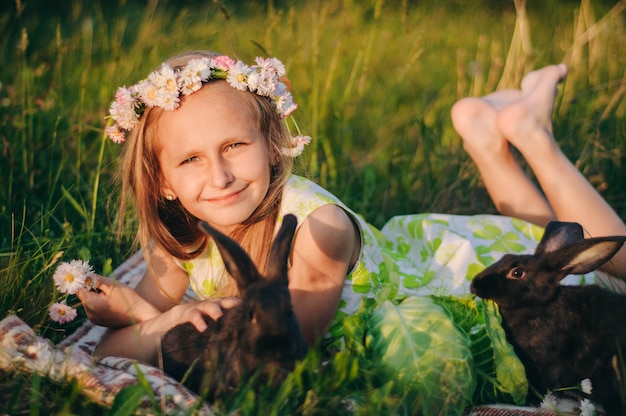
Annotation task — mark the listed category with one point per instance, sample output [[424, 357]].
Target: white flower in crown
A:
[[238, 76], [272, 64], [193, 75], [160, 89], [285, 104], [263, 82]]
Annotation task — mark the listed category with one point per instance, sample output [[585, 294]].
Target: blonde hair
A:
[[168, 223]]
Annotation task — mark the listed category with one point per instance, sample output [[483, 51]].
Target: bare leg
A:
[[527, 125], [509, 188]]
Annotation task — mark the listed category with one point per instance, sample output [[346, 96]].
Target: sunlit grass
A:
[[374, 81]]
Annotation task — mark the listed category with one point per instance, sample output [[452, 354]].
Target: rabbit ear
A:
[[236, 260], [558, 235], [586, 255], [279, 255]]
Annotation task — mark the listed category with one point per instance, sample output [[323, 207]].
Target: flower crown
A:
[[164, 86]]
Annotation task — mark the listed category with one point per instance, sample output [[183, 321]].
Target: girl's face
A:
[[212, 156]]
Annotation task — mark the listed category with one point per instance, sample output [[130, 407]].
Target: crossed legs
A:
[[490, 125]]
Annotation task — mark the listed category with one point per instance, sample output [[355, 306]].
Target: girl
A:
[[206, 142], [213, 150]]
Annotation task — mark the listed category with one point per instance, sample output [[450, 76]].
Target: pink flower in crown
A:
[[62, 313], [115, 134], [223, 62], [123, 109]]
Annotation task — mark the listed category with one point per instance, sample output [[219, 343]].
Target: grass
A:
[[374, 81]]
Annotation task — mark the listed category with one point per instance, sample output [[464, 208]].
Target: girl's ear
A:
[[167, 191]]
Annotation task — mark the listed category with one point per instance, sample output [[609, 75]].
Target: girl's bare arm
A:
[[325, 247]]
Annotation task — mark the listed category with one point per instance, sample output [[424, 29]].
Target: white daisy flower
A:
[[549, 402], [62, 313], [164, 78], [238, 76], [191, 77], [70, 277], [91, 281], [587, 408], [285, 105], [586, 386], [148, 92], [272, 64], [263, 82], [298, 143]]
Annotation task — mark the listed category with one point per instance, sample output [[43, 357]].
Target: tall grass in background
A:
[[374, 80]]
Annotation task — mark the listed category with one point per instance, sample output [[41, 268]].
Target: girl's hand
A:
[[115, 304], [192, 312]]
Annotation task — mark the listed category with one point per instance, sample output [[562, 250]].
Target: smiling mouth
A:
[[227, 199]]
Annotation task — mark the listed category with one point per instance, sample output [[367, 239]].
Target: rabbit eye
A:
[[516, 273]]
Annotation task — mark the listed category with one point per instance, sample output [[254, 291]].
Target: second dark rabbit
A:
[[562, 334], [260, 334]]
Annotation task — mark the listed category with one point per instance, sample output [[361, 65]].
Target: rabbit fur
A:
[[562, 334], [260, 333]]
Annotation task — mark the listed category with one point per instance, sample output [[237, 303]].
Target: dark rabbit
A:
[[260, 333], [562, 334]]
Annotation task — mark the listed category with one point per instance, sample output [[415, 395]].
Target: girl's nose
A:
[[220, 176]]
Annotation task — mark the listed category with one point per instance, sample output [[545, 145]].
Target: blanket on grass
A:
[[21, 349], [101, 380]]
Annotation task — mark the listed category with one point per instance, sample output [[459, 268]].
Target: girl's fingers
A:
[[213, 308], [82, 295], [197, 320], [227, 303], [106, 285]]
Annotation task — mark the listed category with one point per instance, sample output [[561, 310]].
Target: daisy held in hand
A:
[[70, 277], [164, 87]]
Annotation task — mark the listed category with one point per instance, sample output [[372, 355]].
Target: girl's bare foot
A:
[[527, 123], [475, 121]]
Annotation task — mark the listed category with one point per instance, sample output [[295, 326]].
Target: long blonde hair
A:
[[168, 223]]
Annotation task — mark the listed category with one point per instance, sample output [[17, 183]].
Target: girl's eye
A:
[[233, 146], [516, 273], [189, 160]]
